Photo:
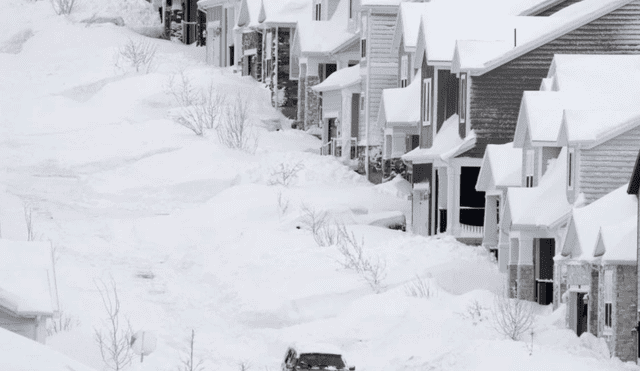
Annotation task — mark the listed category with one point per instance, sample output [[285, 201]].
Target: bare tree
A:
[[63, 7], [189, 362], [235, 130], [199, 109], [139, 55], [511, 317], [114, 338]]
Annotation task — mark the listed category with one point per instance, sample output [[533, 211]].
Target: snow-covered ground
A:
[[194, 235]]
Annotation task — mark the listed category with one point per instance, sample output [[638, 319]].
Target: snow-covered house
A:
[[591, 129], [28, 294], [222, 43], [598, 271], [326, 40], [278, 27], [340, 114], [501, 168], [493, 69]]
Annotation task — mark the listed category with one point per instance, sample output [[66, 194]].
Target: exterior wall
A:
[[495, 96], [593, 301], [214, 14], [302, 94], [606, 167], [383, 69], [426, 132], [288, 100], [32, 328], [311, 102], [559, 283], [331, 104]]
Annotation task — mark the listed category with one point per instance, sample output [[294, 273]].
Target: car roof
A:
[[302, 348]]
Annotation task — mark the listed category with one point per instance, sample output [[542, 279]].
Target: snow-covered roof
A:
[[286, 11], [592, 127], [27, 282], [252, 13], [544, 205], [618, 244], [445, 141], [501, 167], [324, 37], [401, 105], [532, 32], [408, 24], [585, 223], [204, 4], [340, 79], [369, 3]]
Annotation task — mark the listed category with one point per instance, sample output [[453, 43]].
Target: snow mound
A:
[[15, 42], [398, 187]]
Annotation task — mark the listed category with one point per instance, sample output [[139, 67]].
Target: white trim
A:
[[571, 169], [213, 24], [427, 108], [253, 51]]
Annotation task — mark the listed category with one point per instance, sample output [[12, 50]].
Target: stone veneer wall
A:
[[252, 40], [512, 277], [625, 308], [290, 104], [526, 282], [302, 93], [312, 103], [593, 301]]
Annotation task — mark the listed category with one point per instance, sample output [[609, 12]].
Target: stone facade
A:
[[593, 301], [302, 89], [312, 103], [513, 280], [526, 283], [288, 99], [623, 341]]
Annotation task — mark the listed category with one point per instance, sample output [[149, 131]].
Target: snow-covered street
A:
[[197, 236]]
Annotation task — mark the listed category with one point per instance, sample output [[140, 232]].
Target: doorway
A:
[[582, 312], [544, 251]]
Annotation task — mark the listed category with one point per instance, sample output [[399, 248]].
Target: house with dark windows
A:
[[222, 43]]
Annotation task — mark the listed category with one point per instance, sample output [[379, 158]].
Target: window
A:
[[571, 169], [498, 211], [608, 298], [463, 98], [350, 9], [529, 164], [404, 71], [363, 42], [426, 104], [318, 10]]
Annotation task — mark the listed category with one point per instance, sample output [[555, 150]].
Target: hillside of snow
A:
[[196, 235]]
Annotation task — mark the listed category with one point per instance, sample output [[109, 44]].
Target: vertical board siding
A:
[[496, 96], [608, 166], [383, 69]]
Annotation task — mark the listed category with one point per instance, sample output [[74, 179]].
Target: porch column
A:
[[453, 199], [490, 238], [302, 93], [347, 96], [593, 302], [525, 269], [312, 99], [512, 276]]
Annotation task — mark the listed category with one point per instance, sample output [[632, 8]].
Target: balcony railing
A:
[[471, 230]]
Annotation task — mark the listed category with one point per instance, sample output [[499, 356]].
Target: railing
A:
[[334, 147]]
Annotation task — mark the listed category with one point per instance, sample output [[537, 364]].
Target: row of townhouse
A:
[[562, 213]]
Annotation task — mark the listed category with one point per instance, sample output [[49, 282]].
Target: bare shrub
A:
[[419, 288], [28, 219], [284, 173], [374, 272], [61, 323], [283, 203], [139, 55], [115, 335], [511, 317], [235, 130], [312, 219], [63, 7], [189, 361], [244, 366], [475, 312], [199, 109]]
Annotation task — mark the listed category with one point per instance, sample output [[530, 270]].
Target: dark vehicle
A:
[[314, 357]]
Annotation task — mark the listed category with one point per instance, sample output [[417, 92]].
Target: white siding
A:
[[331, 104]]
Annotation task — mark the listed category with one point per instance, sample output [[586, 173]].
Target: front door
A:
[[545, 249], [582, 313]]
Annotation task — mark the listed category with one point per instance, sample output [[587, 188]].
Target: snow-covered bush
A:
[[114, 337], [138, 55], [511, 317], [61, 323], [235, 130], [314, 220], [283, 203], [199, 109], [419, 288], [63, 7]]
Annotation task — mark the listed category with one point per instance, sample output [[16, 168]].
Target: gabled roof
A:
[[618, 244], [251, 14], [537, 32], [592, 127], [340, 79], [286, 12], [401, 105], [585, 223], [634, 183], [544, 206], [501, 167], [408, 25], [324, 37], [27, 282]]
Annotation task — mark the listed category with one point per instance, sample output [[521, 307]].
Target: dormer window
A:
[[571, 169], [529, 163], [404, 71], [318, 10], [426, 105]]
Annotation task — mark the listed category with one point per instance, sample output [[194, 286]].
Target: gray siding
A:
[[608, 166], [23, 326]]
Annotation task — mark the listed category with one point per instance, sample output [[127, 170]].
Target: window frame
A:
[[571, 169], [608, 300], [464, 86], [404, 71], [363, 40], [529, 165], [427, 110], [317, 10]]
